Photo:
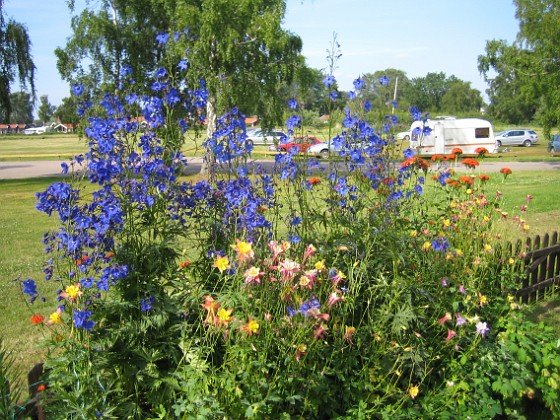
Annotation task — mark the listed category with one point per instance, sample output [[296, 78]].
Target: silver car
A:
[[516, 137], [266, 137]]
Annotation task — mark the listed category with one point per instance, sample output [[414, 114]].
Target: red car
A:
[[301, 142]]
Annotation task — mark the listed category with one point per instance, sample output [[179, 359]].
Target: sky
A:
[[417, 37]]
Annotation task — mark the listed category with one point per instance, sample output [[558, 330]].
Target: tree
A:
[[524, 77], [21, 109], [46, 110], [16, 61], [460, 97], [67, 111], [426, 93], [107, 35]]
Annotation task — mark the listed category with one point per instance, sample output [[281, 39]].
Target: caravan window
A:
[[482, 133]]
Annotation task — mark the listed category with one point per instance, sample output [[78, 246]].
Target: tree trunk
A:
[[209, 161]]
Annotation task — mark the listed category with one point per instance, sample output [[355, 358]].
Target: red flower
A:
[[37, 319], [314, 181], [505, 171], [41, 388], [470, 163], [184, 264], [484, 177]]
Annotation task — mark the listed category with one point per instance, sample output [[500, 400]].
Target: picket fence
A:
[[541, 265]]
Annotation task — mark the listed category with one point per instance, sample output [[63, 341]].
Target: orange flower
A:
[[457, 151], [505, 171], [484, 178], [41, 388], [81, 260], [470, 163], [109, 255], [437, 157], [211, 307], [314, 180], [469, 180], [184, 264], [37, 319], [481, 151]]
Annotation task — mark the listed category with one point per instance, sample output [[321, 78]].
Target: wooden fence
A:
[[541, 257]]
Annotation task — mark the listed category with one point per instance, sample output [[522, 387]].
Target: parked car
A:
[[516, 137], [322, 149], [266, 137], [403, 135], [302, 143], [554, 145]]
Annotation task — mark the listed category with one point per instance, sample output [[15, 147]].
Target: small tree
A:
[[46, 110], [15, 60]]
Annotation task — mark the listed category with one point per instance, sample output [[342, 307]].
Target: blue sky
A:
[[414, 36]]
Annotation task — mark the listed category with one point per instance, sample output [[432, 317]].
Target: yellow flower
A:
[[251, 327], [71, 292], [320, 265], [221, 263], [224, 315], [482, 300], [426, 246], [414, 233], [458, 252], [488, 248], [413, 391], [511, 261], [54, 318], [244, 250], [447, 223]]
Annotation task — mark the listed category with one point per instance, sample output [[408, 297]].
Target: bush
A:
[[362, 287]]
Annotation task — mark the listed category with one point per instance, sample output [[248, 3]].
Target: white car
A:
[[403, 135], [322, 149], [265, 137]]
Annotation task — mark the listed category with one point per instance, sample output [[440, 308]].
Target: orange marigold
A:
[[470, 163], [314, 180]]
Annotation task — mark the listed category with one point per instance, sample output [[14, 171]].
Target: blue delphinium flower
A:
[[328, 80], [162, 38], [359, 83], [146, 304], [82, 320], [440, 244], [292, 103], [367, 106], [77, 89], [30, 288], [384, 80]]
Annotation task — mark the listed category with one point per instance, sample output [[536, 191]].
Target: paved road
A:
[[41, 169]]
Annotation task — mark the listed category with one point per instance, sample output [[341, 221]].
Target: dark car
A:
[[302, 143], [554, 145]]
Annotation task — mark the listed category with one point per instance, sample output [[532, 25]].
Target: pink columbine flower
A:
[[462, 289], [450, 335], [334, 298], [288, 269], [253, 275], [445, 318], [319, 331], [309, 252], [338, 277]]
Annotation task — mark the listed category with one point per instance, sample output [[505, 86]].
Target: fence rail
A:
[[541, 258]]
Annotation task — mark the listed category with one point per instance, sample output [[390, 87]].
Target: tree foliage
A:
[[16, 62], [21, 104], [46, 110], [524, 77]]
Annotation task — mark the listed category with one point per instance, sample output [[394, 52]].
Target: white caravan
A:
[[468, 134]]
